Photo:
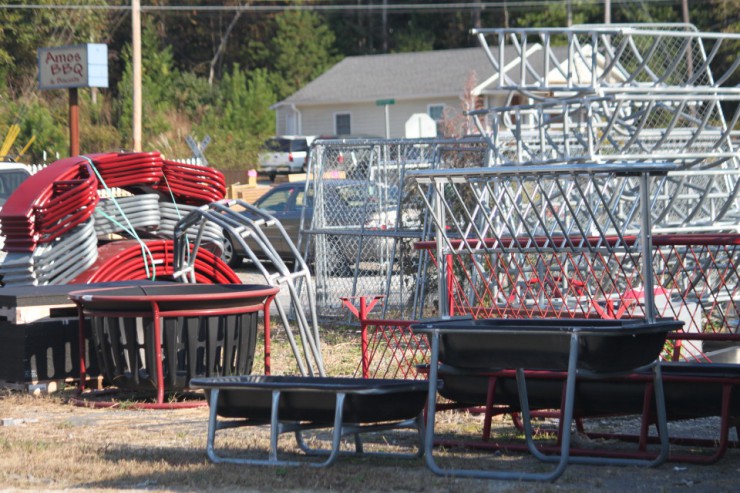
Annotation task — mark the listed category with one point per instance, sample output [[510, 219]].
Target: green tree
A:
[[192, 95], [48, 123], [555, 14], [301, 50], [41, 114], [240, 119], [97, 132], [413, 39], [721, 17]]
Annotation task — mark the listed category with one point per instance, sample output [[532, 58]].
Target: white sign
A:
[[73, 66], [420, 126]]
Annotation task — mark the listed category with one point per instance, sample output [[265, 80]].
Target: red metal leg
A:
[[488, 416], [268, 364], [158, 353], [81, 345]]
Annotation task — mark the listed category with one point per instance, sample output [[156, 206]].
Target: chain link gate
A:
[[367, 218]]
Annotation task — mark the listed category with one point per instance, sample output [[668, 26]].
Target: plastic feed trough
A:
[[160, 336], [604, 346], [349, 406], [692, 391], [572, 348]]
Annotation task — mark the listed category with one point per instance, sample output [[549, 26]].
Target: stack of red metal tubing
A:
[[64, 195]]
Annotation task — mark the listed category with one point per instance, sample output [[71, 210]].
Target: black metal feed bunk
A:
[[348, 406], [576, 350]]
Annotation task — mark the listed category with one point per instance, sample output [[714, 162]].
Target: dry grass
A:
[[64, 447]]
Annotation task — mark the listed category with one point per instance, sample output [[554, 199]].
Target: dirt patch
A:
[[48, 444], [53, 445]]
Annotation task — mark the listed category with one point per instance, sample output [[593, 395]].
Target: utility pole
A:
[[385, 26], [569, 11], [476, 14], [136, 65]]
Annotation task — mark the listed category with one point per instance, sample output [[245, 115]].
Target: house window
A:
[[342, 124], [436, 111]]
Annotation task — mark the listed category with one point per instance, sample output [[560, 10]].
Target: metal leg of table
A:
[[278, 427], [563, 459], [567, 414]]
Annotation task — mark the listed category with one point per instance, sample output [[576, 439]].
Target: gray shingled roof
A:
[[400, 76]]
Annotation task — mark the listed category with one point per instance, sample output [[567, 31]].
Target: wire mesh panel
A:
[[366, 217], [703, 194], [590, 95], [700, 275], [687, 128], [558, 217], [541, 241], [599, 94], [392, 350], [615, 58]]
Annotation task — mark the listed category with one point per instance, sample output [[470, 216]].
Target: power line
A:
[[374, 8]]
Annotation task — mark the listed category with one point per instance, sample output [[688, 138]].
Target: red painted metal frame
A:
[[389, 331], [157, 314], [385, 351], [361, 313], [698, 274], [642, 439], [492, 409]]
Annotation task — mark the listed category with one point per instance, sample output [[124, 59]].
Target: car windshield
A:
[[277, 145], [275, 201], [285, 145], [298, 145]]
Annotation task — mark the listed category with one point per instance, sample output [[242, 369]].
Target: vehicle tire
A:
[[229, 254]]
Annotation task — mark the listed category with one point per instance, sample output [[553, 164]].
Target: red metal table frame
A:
[[157, 313]]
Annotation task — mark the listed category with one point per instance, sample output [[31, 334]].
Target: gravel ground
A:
[[48, 444]]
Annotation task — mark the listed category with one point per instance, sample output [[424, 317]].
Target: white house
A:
[[351, 97], [375, 94]]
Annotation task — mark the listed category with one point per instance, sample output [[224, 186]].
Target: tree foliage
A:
[[240, 118], [302, 49], [23, 31], [266, 57], [46, 123]]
